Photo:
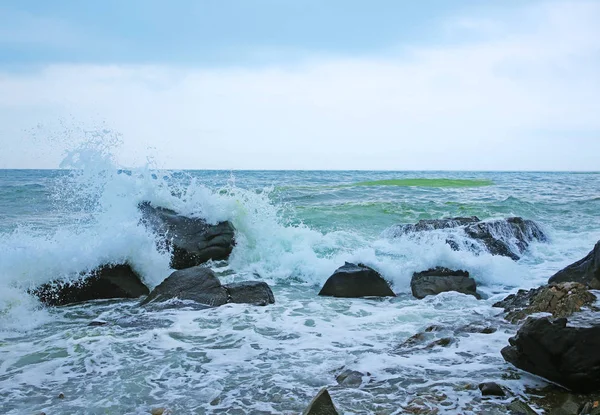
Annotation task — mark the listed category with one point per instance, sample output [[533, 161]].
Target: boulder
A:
[[561, 300], [250, 292], [356, 281], [518, 407], [565, 355], [321, 405], [105, 282], [585, 271], [192, 240], [439, 279], [201, 285], [508, 237], [434, 224]]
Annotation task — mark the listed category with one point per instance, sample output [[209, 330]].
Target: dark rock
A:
[[561, 300], [434, 224], [491, 389], [107, 281], [192, 240], [350, 378], [197, 284], [518, 407], [250, 292], [443, 342], [476, 328], [565, 355], [356, 281], [61, 396], [508, 237], [321, 405], [585, 271], [201, 285], [437, 280], [97, 323]]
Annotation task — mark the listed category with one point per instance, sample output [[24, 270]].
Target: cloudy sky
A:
[[311, 84]]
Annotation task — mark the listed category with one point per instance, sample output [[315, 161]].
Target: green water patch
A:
[[422, 182]]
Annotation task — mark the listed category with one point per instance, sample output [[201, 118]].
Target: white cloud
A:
[[525, 95]]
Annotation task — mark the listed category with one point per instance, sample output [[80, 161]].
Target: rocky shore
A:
[[551, 342]]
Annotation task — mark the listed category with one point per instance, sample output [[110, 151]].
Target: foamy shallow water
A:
[[294, 230]]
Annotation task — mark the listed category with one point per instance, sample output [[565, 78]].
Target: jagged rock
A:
[[585, 271], [321, 405], [350, 378], [201, 285], [561, 300], [192, 240], [437, 280], [508, 237], [356, 281], [476, 328], [491, 389], [565, 355], [250, 292], [107, 281]]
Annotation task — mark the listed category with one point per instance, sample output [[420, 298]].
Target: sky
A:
[[311, 84]]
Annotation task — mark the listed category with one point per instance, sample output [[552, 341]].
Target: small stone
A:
[[61, 396], [160, 411], [97, 323], [491, 389]]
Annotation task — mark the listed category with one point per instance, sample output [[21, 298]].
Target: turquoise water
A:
[[294, 229]]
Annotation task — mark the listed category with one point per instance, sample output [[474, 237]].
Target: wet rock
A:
[[585, 271], [437, 280], [192, 240], [160, 411], [107, 281], [97, 323], [476, 328], [356, 281], [508, 237], [250, 292], [565, 355], [61, 396], [434, 224], [321, 405], [491, 389], [561, 300], [350, 378], [518, 407], [201, 285], [443, 342]]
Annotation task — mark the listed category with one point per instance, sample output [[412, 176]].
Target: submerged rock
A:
[[561, 300], [356, 281], [105, 282], [192, 240], [350, 378], [201, 285], [518, 407], [585, 271], [565, 355], [321, 405], [507, 237], [437, 280]]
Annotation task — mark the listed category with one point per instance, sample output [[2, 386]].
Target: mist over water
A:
[[293, 230]]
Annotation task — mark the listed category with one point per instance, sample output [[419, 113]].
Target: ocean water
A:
[[294, 228]]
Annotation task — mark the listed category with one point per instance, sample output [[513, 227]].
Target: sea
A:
[[293, 230]]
